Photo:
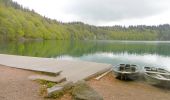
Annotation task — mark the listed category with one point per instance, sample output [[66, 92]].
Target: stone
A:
[[82, 91], [59, 88], [67, 85], [57, 79], [54, 90]]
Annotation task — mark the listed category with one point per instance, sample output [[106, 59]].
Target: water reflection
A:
[[112, 58], [113, 52]]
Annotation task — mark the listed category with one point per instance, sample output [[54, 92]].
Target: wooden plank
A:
[[104, 74]]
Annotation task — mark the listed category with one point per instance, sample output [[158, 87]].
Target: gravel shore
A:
[[15, 85], [114, 89]]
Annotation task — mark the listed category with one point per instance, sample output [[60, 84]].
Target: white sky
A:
[[103, 12]]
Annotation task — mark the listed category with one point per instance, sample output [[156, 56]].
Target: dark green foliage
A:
[[18, 23]]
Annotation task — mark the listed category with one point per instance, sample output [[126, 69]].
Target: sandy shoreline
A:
[[14, 85], [114, 89]]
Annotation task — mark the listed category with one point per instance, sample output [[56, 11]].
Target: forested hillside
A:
[[16, 23]]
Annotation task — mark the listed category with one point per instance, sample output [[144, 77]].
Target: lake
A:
[[142, 53]]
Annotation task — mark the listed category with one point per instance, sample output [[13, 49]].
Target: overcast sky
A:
[[103, 12]]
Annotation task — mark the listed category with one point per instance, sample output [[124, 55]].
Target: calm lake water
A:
[[142, 53]]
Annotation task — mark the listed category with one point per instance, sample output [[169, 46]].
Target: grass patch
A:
[[58, 95], [48, 84], [43, 89]]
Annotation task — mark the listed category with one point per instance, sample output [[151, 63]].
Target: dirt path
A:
[[15, 85], [113, 89]]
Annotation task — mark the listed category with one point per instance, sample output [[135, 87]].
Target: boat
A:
[[126, 71], [157, 76]]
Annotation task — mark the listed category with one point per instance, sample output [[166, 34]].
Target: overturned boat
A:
[[157, 76], [126, 71]]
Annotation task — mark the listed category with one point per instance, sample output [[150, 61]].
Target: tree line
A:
[[17, 22]]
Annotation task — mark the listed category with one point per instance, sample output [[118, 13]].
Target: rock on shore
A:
[[82, 91]]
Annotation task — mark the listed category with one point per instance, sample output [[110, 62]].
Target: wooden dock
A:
[[73, 70]]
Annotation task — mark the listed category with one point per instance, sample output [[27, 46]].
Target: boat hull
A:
[[156, 82], [126, 72], [126, 76]]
